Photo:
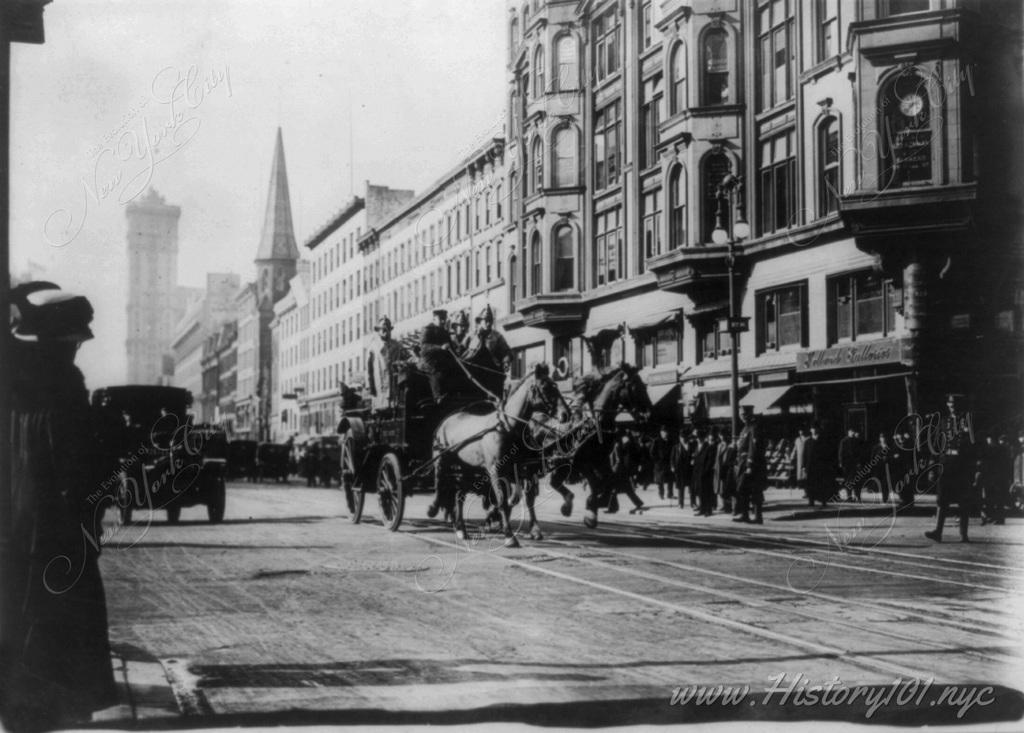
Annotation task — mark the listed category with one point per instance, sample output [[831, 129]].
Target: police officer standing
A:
[[957, 482], [751, 471]]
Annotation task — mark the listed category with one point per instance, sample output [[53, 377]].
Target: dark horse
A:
[[482, 449], [581, 451]]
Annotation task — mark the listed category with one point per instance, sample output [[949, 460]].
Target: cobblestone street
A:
[[288, 613]]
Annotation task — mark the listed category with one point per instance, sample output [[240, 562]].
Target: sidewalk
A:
[[144, 692]]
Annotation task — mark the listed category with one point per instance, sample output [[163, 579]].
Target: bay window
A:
[[862, 304], [782, 318]]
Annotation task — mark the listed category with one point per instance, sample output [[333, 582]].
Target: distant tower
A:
[[276, 262], [153, 298]]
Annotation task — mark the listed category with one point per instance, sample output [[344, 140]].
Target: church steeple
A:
[[277, 252]]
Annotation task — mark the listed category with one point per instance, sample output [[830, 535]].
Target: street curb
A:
[[144, 693]]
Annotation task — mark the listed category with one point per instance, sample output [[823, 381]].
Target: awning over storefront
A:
[[663, 394], [606, 331], [765, 398], [654, 320]]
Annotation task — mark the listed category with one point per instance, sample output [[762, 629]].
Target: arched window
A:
[[538, 71], [567, 63], [564, 260], [538, 165], [513, 35], [677, 208], [565, 168], [679, 79], [536, 265], [828, 166], [716, 167], [907, 133], [513, 181], [715, 57]]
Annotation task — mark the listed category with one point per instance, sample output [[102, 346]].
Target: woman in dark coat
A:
[[704, 474], [820, 468], [55, 667]]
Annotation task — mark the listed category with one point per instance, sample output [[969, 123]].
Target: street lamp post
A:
[[731, 190]]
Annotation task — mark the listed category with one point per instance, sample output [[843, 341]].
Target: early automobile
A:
[[242, 459], [164, 460], [273, 461]]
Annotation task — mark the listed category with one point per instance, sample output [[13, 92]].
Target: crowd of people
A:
[[702, 467]]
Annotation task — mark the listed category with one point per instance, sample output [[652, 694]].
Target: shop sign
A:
[[870, 353]]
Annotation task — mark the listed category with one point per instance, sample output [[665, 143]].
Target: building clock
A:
[[911, 104]]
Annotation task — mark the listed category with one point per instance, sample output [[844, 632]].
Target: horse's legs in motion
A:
[[498, 485], [558, 478], [531, 487], [439, 499], [460, 523], [594, 498]]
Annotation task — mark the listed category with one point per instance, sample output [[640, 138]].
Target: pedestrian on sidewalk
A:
[[850, 454], [751, 470], [661, 460], [883, 464], [820, 471], [727, 474], [682, 467], [624, 459], [55, 667], [704, 471], [799, 460]]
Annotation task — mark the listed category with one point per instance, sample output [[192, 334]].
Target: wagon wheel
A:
[[390, 492], [355, 495]]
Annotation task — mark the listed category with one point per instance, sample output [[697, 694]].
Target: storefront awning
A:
[[765, 398], [654, 320], [662, 393], [607, 331]]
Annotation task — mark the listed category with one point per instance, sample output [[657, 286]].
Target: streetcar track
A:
[[731, 596], [759, 603], [825, 651], [933, 561], [889, 607], [797, 558]]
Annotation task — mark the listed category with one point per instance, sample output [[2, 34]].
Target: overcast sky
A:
[[421, 80]]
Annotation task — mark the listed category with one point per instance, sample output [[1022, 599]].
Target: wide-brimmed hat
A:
[[41, 311], [441, 312]]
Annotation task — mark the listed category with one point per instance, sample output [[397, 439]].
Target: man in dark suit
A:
[[751, 469], [851, 453], [682, 467], [704, 472], [661, 455]]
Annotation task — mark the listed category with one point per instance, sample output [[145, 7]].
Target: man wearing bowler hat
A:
[[751, 470]]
